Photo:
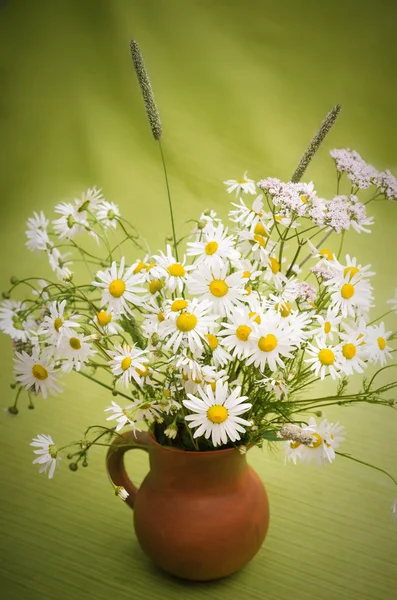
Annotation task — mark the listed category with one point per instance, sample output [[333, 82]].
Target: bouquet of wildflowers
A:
[[214, 341]]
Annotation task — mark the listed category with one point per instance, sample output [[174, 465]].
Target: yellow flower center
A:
[[39, 372], [347, 291], [349, 351], [52, 451], [178, 305], [260, 239], [318, 440], [246, 275], [327, 326], [104, 318], [217, 414], [248, 289], [148, 267], [212, 341], [326, 253], [213, 385], [303, 199], [141, 265], [142, 372], [326, 356], [57, 324], [241, 181], [117, 288], [260, 230], [126, 363], [155, 286], [160, 317], [218, 288], [267, 343], [176, 270], [351, 271], [381, 343], [75, 343], [257, 317], [278, 218], [166, 393], [294, 444], [274, 265], [186, 322], [243, 332], [211, 248], [284, 309]]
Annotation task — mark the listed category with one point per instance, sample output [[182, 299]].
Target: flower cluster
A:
[[214, 343]]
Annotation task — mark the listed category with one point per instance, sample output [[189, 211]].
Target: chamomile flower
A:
[[107, 214], [376, 347], [209, 376], [216, 413], [188, 366], [220, 356], [256, 246], [242, 185], [106, 323], [15, 320], [271, 341], [119, 288], [189, 328], [129, 362], [89, 200], [277, 385], [123, 416], [48, 454], [352, 354], [326, 439], [324, 358], [36, 372], [327, 327], [248, 217], [350, 295], [75, 351], [223, 291], [174, 272], [71, 222], [153, 317], [214, 246], [37, 233], [56, 325], [59, 262], [237, 331]]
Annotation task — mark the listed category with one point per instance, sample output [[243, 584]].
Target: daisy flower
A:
[[220, 356], [71, 222], [89, 200], [188, 366], [153, 317], [376, 347], [256, 245], [223, 291], [75, 350], [48, 454], [189, 328], [324, 358], [326, 439], [107, 214], [128, 363], [209, 376], [106, 323], [37, 232], [328, 324], [118, 288], [36, 372], [237, 331], [350, 295], [352, 354], [216, 413], [246, 216], [57, 324], [243, 185], [14, 321], [123, 416], [174, 272], [214, 246], [271, 341]]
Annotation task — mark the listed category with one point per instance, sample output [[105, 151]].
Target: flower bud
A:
[[14, 280], [73, 466]]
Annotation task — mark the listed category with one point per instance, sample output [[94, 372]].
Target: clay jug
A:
[[197, 515]]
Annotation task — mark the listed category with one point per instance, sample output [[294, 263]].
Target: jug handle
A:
[[129, 440]]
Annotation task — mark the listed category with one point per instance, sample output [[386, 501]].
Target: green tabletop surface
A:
[[240, 85]]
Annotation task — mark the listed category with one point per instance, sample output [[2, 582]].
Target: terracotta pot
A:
[[197, 515]]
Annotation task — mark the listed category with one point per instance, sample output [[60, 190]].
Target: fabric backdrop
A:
[[240, 85]]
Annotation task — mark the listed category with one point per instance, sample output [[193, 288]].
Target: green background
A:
[[240, 85]]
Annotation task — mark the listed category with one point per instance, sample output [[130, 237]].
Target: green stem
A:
[[381, 317], [103, 384], [362, 462], [169, 201]]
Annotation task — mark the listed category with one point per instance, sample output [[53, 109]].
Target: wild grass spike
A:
[[146, 89], [315, 143]]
